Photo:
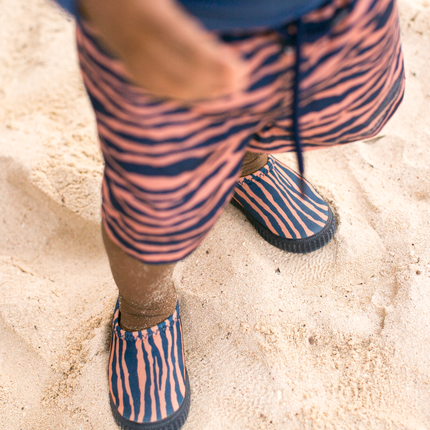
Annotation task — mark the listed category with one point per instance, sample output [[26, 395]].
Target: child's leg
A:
[[147, 295]]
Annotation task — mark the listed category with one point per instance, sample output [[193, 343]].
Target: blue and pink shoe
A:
[[148, 382], [271, 200]]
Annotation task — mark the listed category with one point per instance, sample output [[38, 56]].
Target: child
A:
[[186, 111]]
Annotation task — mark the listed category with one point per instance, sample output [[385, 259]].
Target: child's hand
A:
[[165, 50]]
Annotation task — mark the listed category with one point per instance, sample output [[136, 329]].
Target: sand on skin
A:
[[338, 339]]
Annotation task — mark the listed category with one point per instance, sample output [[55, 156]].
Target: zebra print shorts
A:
[[170, 168]]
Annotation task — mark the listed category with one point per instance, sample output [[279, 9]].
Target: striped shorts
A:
[[170, 167]]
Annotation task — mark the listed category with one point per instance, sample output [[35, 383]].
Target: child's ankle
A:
[[138, 317], [252, 162]]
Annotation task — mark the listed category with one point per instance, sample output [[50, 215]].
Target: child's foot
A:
[[271, 200], [149, 387]]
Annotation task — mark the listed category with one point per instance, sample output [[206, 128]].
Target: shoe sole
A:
[[174, 422], [296, 246]]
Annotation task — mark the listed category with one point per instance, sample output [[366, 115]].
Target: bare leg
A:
[[147, 295], [252, 162]]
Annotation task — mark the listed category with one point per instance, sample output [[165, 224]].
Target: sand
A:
[[338, 339]]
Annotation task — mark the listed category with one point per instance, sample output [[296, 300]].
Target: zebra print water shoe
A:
[[148, 382], [271, 200]]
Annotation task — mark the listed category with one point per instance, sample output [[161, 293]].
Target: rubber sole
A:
[[173, 422], [297, 246]]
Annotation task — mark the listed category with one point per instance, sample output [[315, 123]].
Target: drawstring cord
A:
[[296, 93], [294, 34]]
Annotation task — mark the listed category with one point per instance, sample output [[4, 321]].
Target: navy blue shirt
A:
[[237, 14], [247, 14]]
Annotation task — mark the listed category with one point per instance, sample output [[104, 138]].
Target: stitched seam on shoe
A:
[[127, 336]]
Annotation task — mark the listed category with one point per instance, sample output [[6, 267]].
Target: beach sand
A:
[[337, 339]]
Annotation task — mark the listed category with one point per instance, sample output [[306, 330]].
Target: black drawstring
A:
[[296, 93]]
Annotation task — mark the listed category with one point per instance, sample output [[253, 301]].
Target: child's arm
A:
[[165, 50]]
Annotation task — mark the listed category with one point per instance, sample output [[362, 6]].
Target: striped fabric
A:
[[170, 168], [272, 200], [147, 376], [352, 78]]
